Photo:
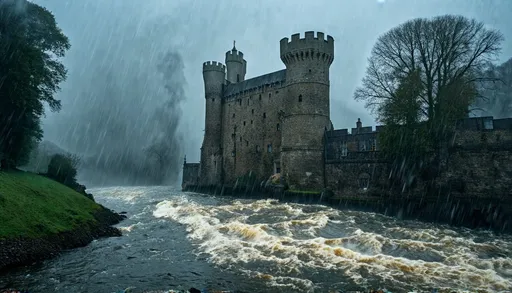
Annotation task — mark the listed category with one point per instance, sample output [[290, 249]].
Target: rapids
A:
[[180, 240]]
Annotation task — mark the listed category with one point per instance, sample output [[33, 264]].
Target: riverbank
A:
[[39, 218], [457, 210]]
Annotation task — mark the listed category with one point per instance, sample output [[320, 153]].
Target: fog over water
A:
[[135, 68]]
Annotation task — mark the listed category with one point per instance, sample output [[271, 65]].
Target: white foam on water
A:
[[234, 242]]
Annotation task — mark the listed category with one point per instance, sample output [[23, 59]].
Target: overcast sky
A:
[[204, 30]]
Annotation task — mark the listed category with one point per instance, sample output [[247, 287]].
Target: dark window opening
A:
[[257, 148], [244, 123], [277, 92], [364, 182], [260, 97], [278, 170], [310, 71], [269, 148], [238, 78], [215, 163], [483, 138], [264, 115], [269, 95], [240, 139], [240, 101], [232, 153], [251, 121], [252, 111], [247, 143], [233, 115], [213, 100], [300, 98], [278, 127]]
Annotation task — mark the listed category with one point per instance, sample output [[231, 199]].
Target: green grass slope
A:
[[33, 206]]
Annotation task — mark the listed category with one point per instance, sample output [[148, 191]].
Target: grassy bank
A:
[[33, 206]]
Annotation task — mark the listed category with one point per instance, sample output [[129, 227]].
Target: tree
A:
[[63, 169], [30, 72], [497, 95], [422, 76], [447, 51]]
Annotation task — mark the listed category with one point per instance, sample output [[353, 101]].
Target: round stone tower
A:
[[306, 108], [214, 75], [236, 65]]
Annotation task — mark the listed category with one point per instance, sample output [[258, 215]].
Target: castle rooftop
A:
[[254, 83]]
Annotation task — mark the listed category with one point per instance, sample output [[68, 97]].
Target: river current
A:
[[176, 240]]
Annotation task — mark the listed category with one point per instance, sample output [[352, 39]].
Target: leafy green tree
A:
[[30, 73], [63, 169]]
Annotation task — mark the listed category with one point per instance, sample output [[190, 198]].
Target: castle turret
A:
[[236, 65], [306, 103], [214, 74]]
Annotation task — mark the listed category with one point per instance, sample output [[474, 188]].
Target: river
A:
[[176, 240]]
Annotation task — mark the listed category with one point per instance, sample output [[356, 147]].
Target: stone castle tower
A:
[[274, 123]]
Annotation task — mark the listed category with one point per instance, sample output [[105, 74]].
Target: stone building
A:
[[279, 123], [274, 123]]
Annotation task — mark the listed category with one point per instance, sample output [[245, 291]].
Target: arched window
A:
[[364, 181]]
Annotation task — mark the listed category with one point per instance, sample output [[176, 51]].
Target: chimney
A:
[[359, 124]]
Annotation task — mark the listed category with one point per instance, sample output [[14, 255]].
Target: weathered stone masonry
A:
[[274, 123]]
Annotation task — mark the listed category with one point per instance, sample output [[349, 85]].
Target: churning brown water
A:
[[174, 239]]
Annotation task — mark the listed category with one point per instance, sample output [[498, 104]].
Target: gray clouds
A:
[[125, 40]]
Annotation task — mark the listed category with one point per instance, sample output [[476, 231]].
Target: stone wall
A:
[[190, 175], [252, 132]]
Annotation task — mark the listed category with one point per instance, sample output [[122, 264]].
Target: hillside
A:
[[33, 206], [40, 217]]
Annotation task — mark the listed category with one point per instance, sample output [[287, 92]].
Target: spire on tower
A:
[[234, 48]]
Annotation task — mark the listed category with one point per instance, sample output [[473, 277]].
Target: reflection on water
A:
[[173, 240]]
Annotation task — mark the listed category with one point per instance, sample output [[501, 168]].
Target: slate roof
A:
[[270, 78]]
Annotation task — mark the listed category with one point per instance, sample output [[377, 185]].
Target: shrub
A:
[[63, 169]]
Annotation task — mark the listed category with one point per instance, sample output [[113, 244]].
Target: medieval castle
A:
[[274, 123], [280, 123]]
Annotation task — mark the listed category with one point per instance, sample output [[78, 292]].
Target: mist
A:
[[135, 80]]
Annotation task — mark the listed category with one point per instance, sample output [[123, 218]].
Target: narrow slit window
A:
[[260, 97], [269, 148], [300, 98], [213, 100], [252, 111], [264, 115], [244, 123], [278, 127], [233, 115]]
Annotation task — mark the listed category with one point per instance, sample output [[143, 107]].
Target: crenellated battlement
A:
[[234, 55], [214, 66], [310, 47]]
